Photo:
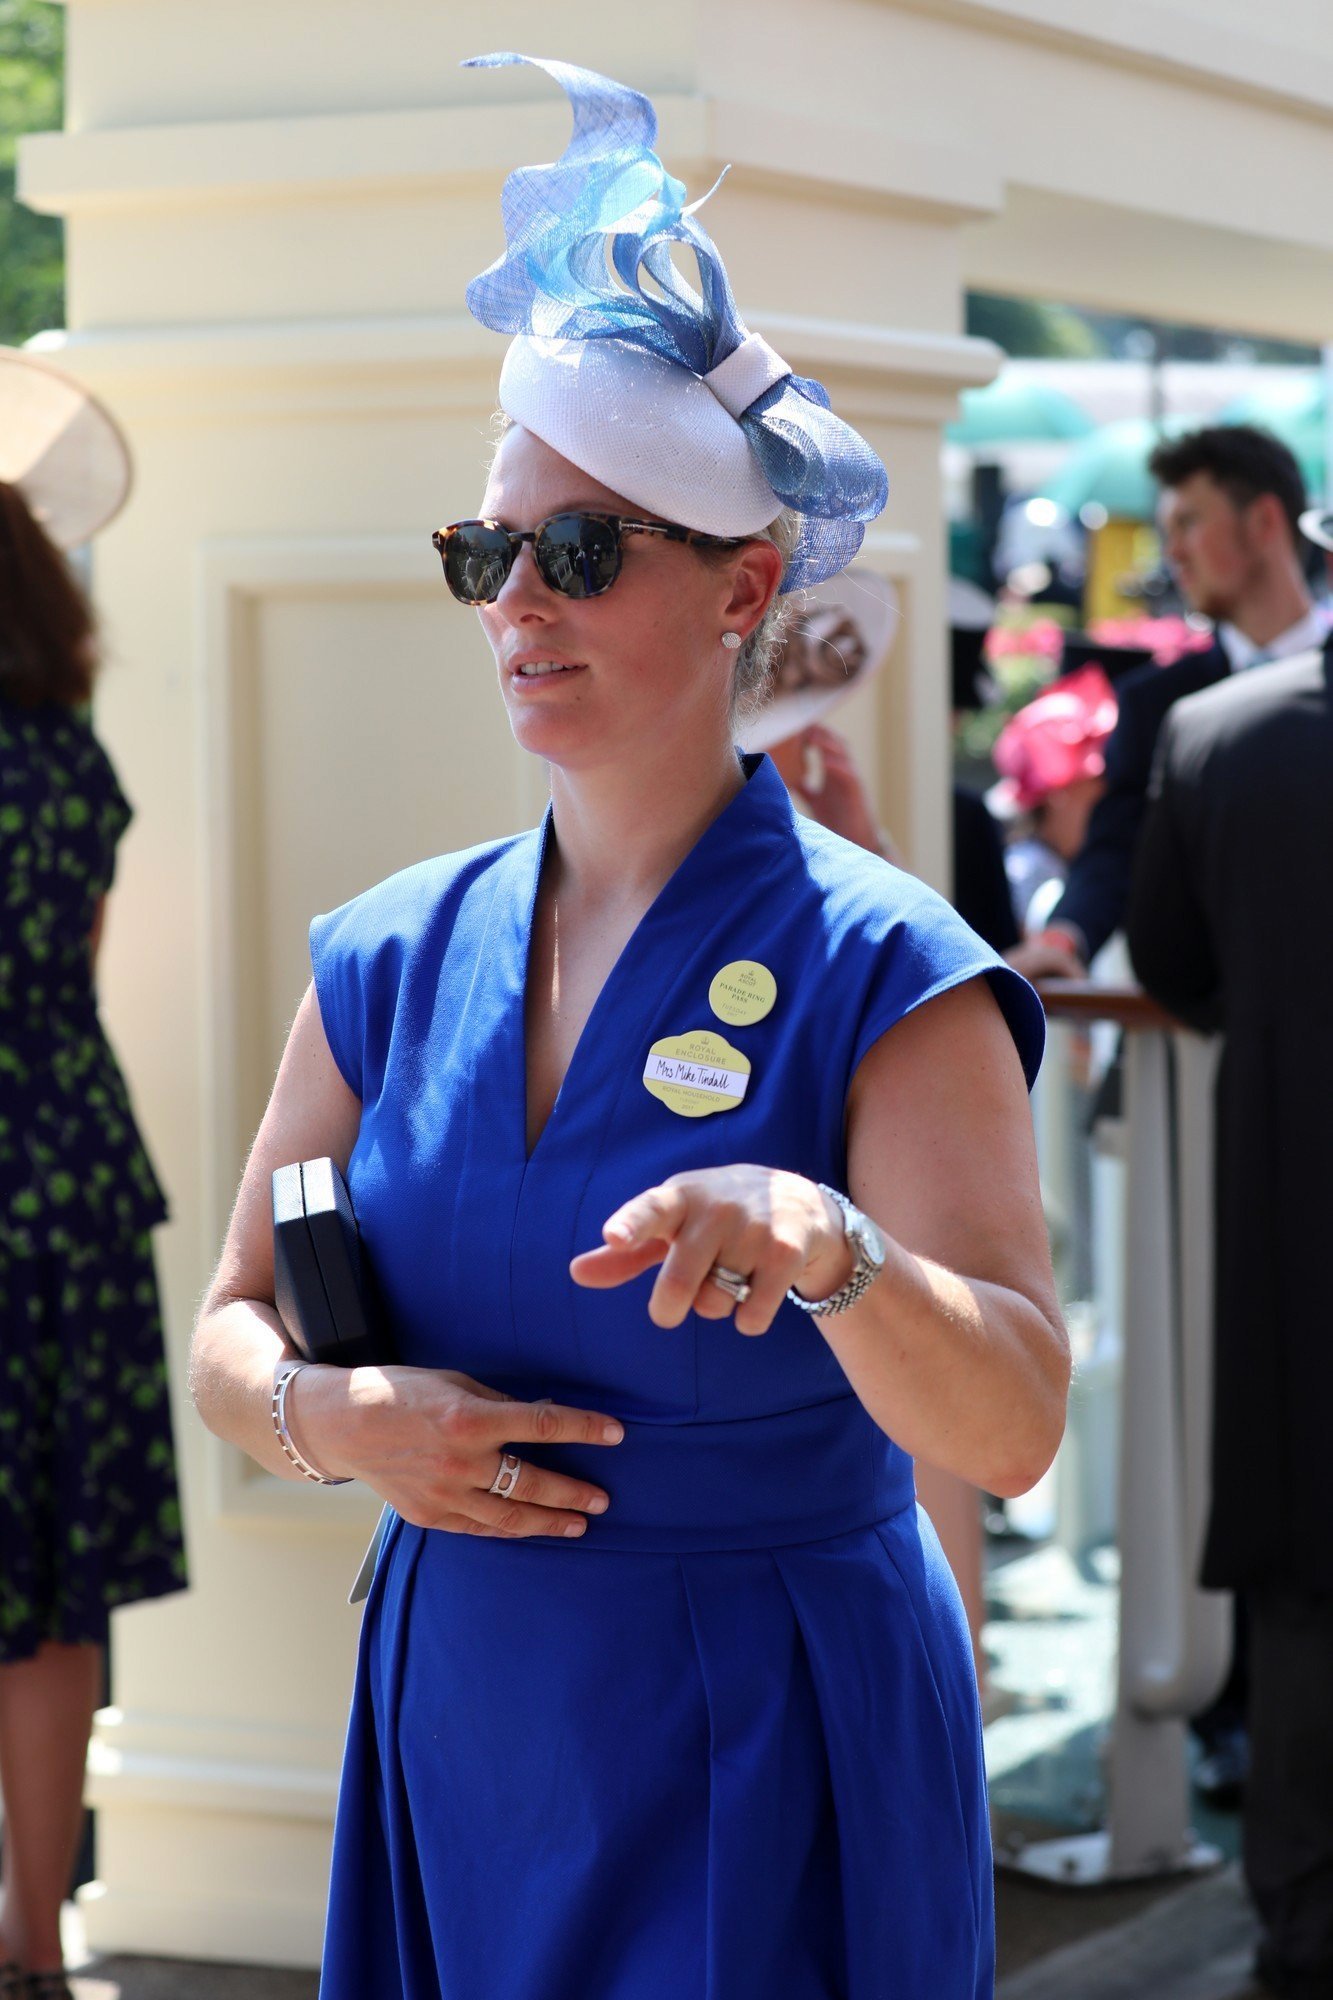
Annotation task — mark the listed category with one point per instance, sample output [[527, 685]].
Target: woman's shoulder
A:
[[405, 907], [55, 748], [865, 897], [898, 943], [386, 947]]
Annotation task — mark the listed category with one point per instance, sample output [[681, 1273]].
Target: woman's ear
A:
[[754, 585]]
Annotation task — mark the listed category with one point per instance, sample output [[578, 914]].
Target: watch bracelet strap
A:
[[856, 1286], [281, 1383]]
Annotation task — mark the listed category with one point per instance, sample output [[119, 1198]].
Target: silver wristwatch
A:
[[866, 1242]]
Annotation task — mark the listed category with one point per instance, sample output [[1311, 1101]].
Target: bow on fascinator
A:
[[589, 258]]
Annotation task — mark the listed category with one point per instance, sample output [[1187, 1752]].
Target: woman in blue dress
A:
[[618, 1100]]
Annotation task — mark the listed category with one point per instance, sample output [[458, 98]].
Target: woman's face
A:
[[643, 662]]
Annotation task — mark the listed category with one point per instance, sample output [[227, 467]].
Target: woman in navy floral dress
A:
[[89, 1516]]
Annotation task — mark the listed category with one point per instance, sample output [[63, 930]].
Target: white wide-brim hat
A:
[[837, 642], [642, 426], [63, 451], [1317, 526]]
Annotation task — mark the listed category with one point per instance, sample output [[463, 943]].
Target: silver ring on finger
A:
[[506, 1479], [734, 1283]]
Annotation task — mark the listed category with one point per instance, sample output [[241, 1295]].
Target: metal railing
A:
[[1174, 1639]]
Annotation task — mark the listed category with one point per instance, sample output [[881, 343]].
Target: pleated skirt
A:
[[580, 1773]]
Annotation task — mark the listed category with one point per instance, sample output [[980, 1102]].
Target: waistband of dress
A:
[[801, 1475]]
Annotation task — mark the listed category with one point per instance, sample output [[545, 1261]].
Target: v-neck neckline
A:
[[760, 778]]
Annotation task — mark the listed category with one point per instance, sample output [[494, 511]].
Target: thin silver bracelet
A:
[[282, 1381]]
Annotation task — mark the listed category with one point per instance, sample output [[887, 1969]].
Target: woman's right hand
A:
[[429, 1441]]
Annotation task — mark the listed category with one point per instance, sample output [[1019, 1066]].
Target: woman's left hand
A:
[[772, 1229]]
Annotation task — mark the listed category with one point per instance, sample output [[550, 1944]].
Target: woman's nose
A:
[[525, 593]]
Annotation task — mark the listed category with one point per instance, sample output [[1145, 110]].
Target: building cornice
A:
[[448, 360], [1162, 39], [445, 148]]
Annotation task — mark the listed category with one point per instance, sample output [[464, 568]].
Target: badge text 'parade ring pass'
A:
[[742, 993]]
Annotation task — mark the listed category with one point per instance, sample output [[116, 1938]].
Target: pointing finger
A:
[[612, 1265], [657, 1213]]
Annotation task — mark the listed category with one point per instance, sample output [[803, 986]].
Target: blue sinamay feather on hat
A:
[[589, 257]]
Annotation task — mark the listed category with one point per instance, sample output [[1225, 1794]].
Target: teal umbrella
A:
[[1294, 410], [1110, 469], [1012, 410]]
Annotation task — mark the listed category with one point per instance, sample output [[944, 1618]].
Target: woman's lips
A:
[[532, 673]]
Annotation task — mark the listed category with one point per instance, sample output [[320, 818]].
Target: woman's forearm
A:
[[968, 1375], [237, 1346], [430, 1441]]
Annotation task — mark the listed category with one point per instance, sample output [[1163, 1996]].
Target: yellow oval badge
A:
[[742, 993], [697, 1074]]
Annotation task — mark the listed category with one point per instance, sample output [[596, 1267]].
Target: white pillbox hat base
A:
[[643, 426]]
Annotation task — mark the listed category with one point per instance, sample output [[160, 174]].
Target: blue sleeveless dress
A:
[[725, 1746]]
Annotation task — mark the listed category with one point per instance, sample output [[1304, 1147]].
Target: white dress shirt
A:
[[1304, 636]]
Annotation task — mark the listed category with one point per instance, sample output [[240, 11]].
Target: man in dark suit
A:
[[1230, 516], [1231, 925], [1230, 510]]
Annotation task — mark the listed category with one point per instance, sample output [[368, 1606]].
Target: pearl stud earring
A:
[[731, 640]]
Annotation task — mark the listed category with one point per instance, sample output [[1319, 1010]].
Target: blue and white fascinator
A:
[[654, 388]]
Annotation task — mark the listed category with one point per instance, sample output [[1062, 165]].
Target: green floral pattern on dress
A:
[[89, 1513]]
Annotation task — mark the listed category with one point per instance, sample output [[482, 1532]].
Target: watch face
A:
[[870, 1241]]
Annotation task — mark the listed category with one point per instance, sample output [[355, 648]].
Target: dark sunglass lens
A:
[[578, 555], [477, 559]]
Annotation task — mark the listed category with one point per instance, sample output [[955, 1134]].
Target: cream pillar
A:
[[272, 211]]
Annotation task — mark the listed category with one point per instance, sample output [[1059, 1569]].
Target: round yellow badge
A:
[[696, 1074], [742, 993]]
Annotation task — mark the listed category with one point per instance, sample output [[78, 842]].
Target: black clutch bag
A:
[[322, 1283], [324, 1289]]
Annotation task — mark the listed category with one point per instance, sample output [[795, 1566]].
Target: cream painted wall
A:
[[272, 211]]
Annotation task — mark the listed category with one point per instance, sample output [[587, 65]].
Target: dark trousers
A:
[[1226, 1711], [1288, 1822]]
